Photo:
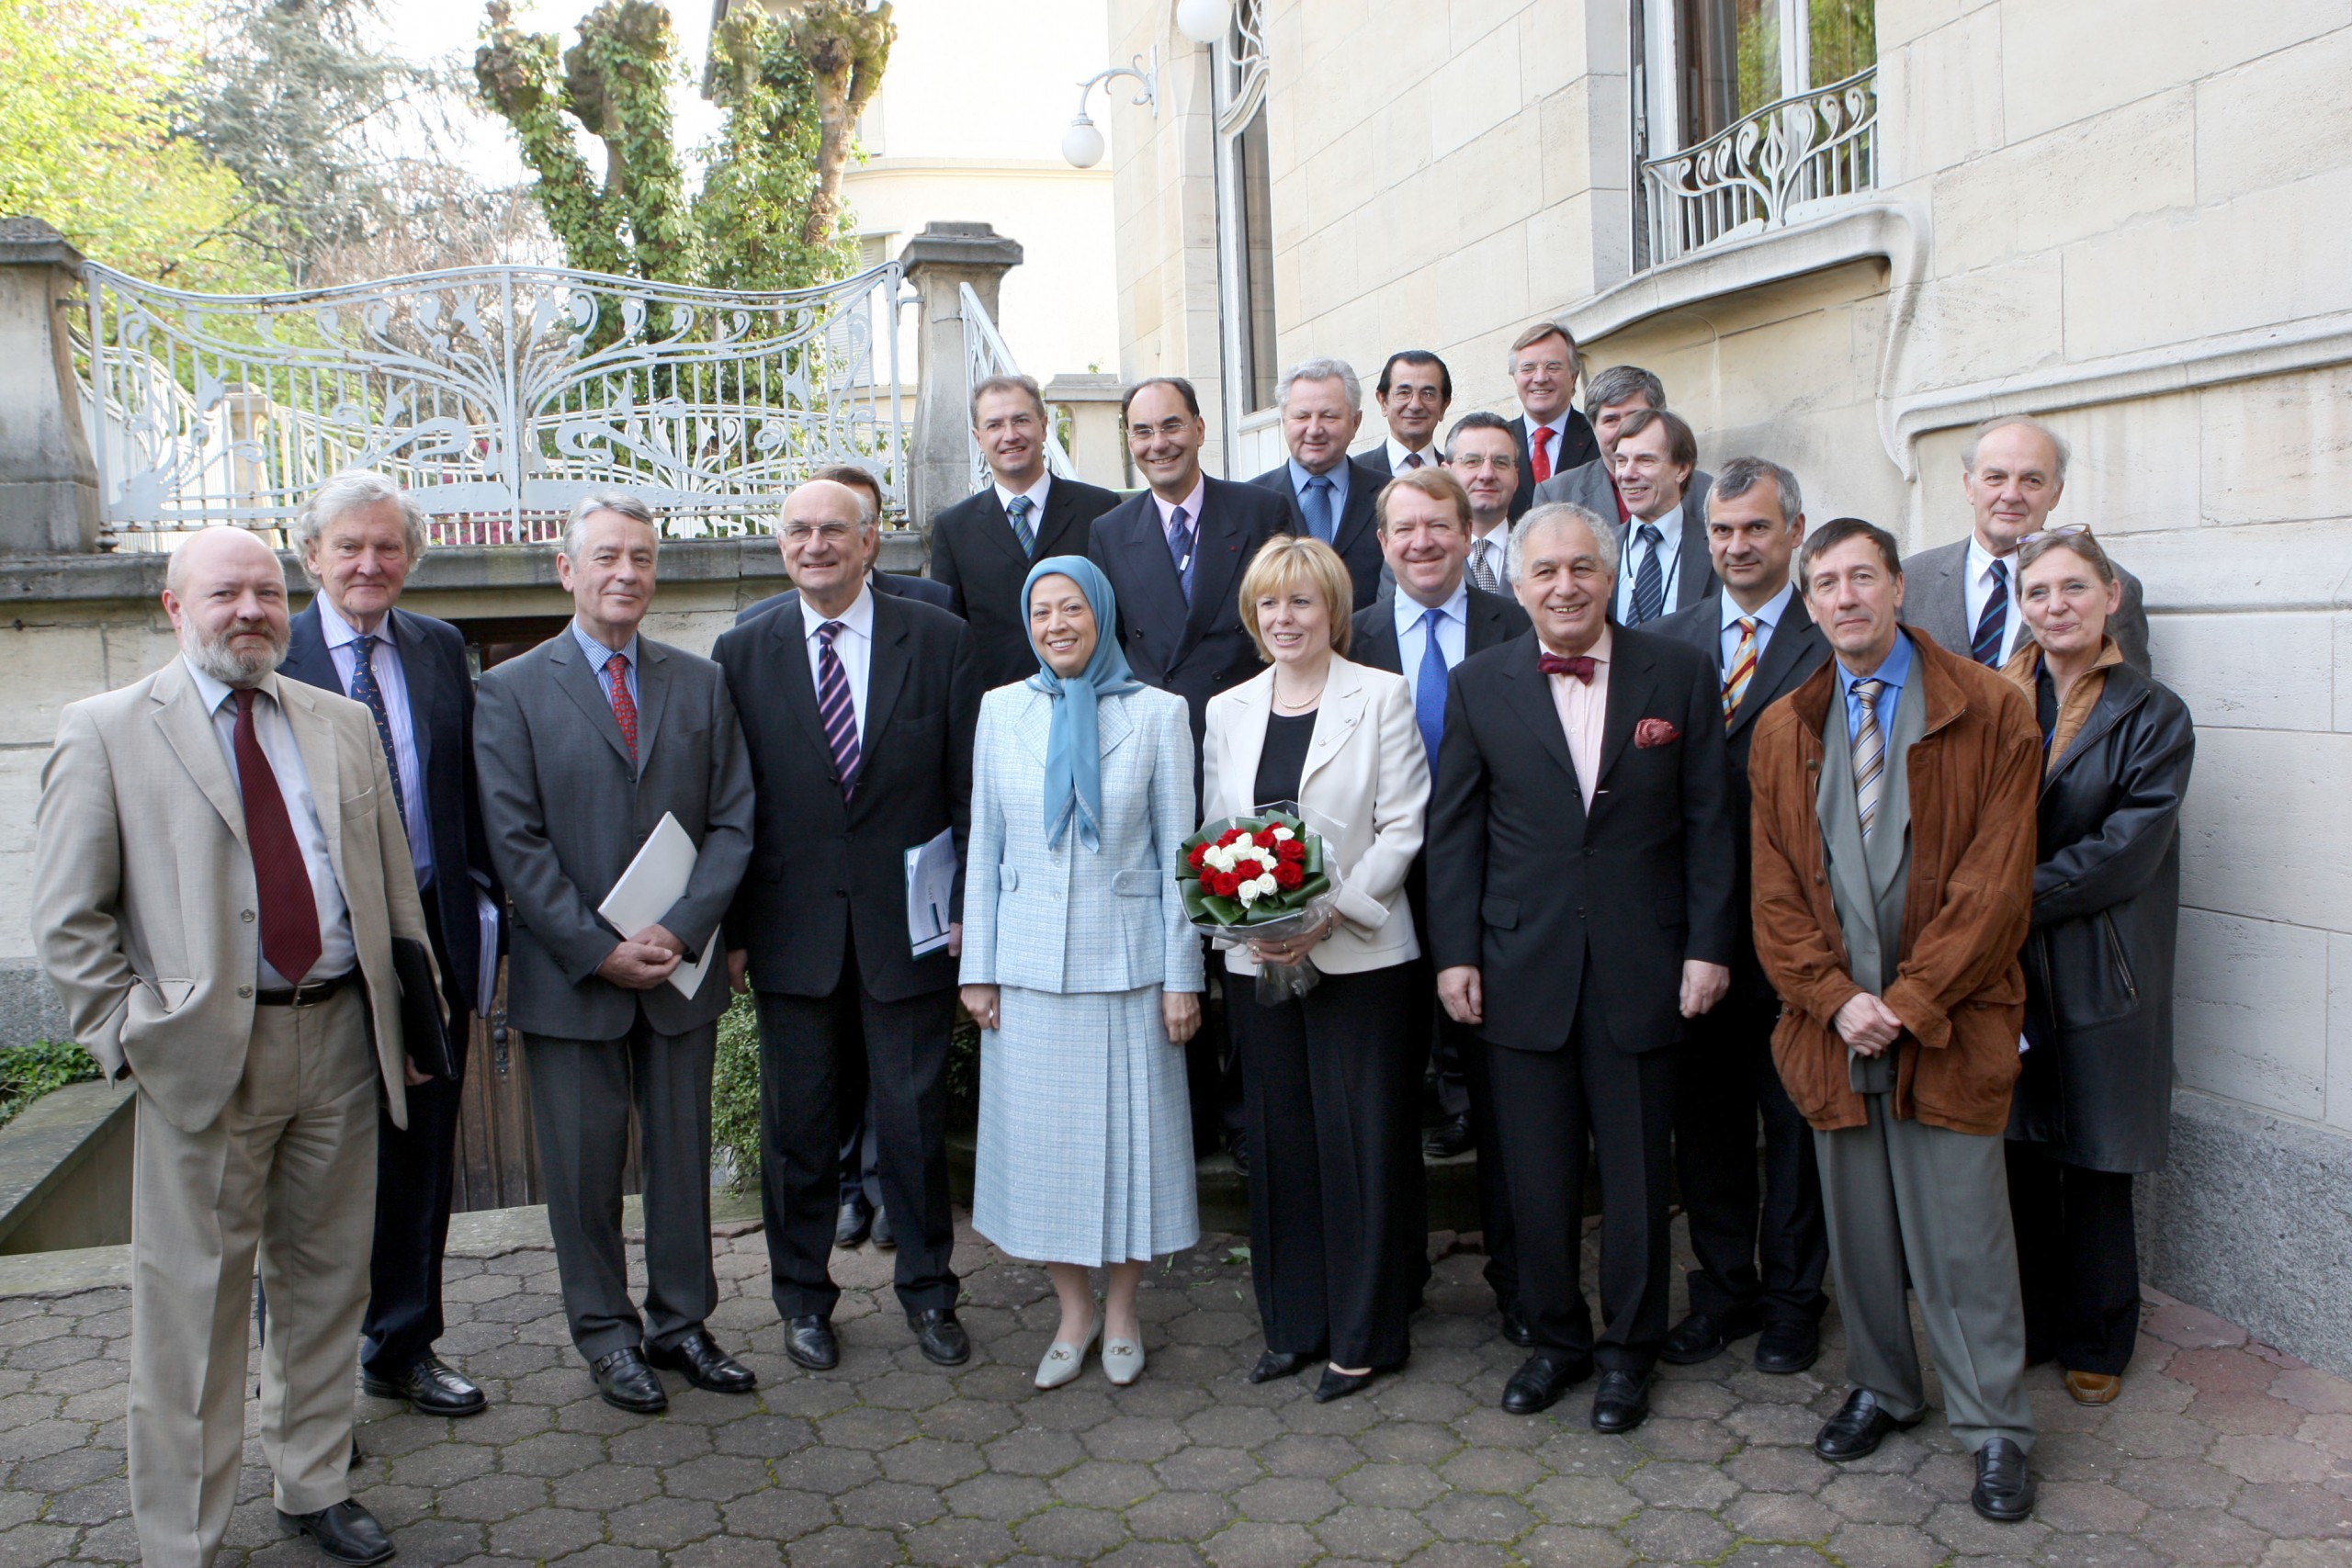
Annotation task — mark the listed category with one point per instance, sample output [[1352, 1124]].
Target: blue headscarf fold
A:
[[1074, 748]]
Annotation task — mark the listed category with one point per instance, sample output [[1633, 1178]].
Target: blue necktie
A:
[[1429, 692], [1316, 503], [1649, 581], [1180, 549], [365, 691], [1018, 510]]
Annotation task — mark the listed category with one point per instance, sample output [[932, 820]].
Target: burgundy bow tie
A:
[[1581, 666]]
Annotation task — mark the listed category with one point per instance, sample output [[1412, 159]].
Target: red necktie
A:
[[289, 907], [1539, 453], [1412, 459], [624, 706], [1582, 666]]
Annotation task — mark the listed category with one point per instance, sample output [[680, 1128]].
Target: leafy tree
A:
[[86, 143], [793, 80]]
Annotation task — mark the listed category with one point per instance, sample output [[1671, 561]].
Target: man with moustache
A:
[[1894, 840], [1329, 494], [219, 875], [1580, 855], [1482, 453], [1414, 391], [1550, 435], [1763, 645]]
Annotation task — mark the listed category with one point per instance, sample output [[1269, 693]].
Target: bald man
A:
[[219, 874]]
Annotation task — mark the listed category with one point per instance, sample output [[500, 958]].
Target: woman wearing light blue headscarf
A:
[[1081, 968]]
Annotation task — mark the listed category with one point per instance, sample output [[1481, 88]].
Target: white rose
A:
[[1247, 891], [1221, 857], [1284, 833], [1266, 885]]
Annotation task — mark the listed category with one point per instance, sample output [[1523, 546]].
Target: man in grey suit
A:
[[583, 744], [219, 875], [2013, 471]]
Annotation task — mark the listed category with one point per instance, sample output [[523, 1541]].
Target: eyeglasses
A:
[[831, 533], [2058, 531]]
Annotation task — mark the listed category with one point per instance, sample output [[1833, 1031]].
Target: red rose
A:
[[1199, 854], [1290, 873], [1290, 852], [1230, 836], [1223, 883], [1266, 839]]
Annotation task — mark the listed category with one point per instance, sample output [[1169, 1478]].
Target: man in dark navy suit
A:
[[359, 539], [1552, 437], [898, 585], [1414, 391], [1329, 494], [1756, 635]]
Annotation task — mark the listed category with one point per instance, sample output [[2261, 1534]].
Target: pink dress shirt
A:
[[1583, 709]]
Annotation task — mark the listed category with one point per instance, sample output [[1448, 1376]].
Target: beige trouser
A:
[[288, 1168]]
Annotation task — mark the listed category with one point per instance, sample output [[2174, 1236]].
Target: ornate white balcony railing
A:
[[986, 355], [498, 396], [1766, 169]]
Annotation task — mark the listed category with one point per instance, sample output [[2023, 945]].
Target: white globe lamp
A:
[[1203, 21], [1082, 145]]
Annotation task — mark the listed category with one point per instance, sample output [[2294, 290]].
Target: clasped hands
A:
[[1178, 1011], [642, 962], [1463, 989], [1867, 1025]]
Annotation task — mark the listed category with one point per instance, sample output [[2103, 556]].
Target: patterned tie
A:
[[1482, 567], [1180, 547], [290, 907], [1743, 666], [1992, 625], [1539, 453], [1649, 579], [834, 708], [1018, 509], [1429, 695], [1870, 756], [1582, 666], [624, 706], [1316, 503], [365, 690], [1412, 459]]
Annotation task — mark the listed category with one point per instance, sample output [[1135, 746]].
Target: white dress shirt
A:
[[1584, 709], [854, 644], [1036, 494], [1670, 563], [1397, 452], [337, 953], [1558, 425], [391, 681], [1768, 620], [1452, 632], [1488, 550], [1978, 587]]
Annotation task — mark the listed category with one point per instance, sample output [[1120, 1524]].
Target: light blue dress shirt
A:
[[1670, 563], [1452, 632], [598, 655], [1339, 478], [1896, 671], [392, 681]]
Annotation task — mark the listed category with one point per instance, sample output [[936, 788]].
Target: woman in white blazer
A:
[[1332, 1082], [1081, 969]]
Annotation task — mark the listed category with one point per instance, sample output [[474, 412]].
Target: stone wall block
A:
[[2276, 120], [2278, 450], [2263, 829], [2206, 659], [2250, 1011], [2046, 44]]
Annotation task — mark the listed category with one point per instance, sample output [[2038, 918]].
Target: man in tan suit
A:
[[219, 875]]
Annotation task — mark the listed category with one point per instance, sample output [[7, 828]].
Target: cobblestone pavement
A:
[[2220, 1450]]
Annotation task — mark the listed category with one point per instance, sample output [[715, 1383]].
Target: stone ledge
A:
[[56, 1181]]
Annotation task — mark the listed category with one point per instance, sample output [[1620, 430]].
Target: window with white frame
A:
[[1245, 220]]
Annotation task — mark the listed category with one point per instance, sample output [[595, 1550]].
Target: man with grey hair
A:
[[1580, 852], [1611, 395], [2013, 471], [219, 878], [359, 539], [1330, 495], [584, 745]]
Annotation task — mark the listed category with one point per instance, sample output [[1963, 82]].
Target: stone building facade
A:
[[2129, 219]]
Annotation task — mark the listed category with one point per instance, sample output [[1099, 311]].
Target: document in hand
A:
[[930, 890], [646, 891]]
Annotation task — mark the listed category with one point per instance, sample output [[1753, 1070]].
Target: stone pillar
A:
[[49, 486], [938, 260], [1098, 446]]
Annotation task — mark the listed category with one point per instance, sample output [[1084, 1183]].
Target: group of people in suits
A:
[[1642, 851]]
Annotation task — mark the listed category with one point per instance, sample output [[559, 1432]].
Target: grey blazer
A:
[[566, 812], [1934, 600], [1589, 487]]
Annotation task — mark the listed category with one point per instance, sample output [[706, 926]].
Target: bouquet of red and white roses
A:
[[1259, 878]]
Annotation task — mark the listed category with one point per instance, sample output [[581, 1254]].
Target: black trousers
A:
[[1213, 1058], [2078, 1260], [1763, 1248], [1337, 1219], [813, 1051], [1552, 1108], [416, 1175]]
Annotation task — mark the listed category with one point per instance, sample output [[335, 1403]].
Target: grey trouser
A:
[[287, 1171], [1946, 1196]]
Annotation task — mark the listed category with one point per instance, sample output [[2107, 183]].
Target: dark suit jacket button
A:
[[1589, 852], [840, 892]]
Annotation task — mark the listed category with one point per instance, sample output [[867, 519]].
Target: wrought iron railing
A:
[[1766, 169], [986, 355], [498, 396]]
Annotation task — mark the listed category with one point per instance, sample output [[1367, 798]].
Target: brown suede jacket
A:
[[1960, 990]]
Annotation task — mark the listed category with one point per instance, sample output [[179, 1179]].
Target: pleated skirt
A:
[[1086, 1137]]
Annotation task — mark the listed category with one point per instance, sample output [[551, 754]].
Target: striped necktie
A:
[[1743, 666], [1482, 566], [1018, 509], [1870, 756], [1649, 577], [1992, 625], [835, 710], [365, 691]]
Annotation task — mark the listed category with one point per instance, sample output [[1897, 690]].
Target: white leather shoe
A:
[[1121, 1360], [1064, 1361]]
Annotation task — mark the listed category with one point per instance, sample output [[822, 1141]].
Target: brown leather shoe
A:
[[2094, 1388]]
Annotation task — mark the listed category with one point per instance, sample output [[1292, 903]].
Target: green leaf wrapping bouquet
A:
[[1262, 877]]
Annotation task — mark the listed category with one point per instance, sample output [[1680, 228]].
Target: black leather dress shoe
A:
[[346, 1532], [851, 1226], [885, 1238], [1541, 1379], [940, 1338], [1703, 1337], [809, 1342], [1515, 1330], [1337, 1384], [628, 1383], [1275, 1364], [1858, 1428], [706, 1365], [1622, 1402], [1450, 1137], [430, 1387], [2004, 1491], [1788, 1347]]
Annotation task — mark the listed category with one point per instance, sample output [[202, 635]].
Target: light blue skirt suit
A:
[[1085, 1140]]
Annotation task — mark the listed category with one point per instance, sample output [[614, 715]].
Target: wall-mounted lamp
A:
[[1082, 143], [1204, 21]]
